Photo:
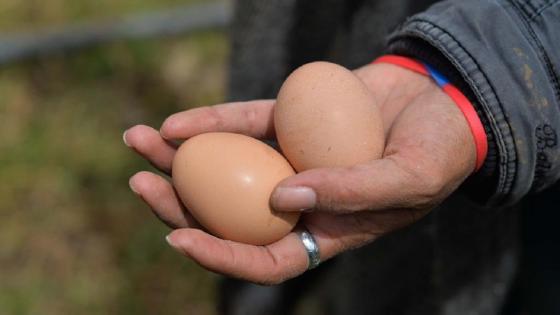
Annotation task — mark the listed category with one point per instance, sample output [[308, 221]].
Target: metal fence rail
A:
[[178, 20]]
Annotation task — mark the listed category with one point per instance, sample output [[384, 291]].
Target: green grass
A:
[[74, 239]]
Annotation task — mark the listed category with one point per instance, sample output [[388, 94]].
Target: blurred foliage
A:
[[18, 15], [74, 239]]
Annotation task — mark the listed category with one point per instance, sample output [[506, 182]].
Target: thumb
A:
[[380, 184]]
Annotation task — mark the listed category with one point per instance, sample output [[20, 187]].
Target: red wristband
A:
[[466, 107]]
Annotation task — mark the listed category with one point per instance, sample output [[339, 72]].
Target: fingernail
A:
[[294, 199], [176, 246], [162, 133], [131, 185], [167, 124], [170, 241], [124, 138]]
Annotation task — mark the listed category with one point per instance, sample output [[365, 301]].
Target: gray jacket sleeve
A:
[[505, 56]]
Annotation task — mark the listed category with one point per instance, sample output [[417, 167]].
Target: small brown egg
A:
[[325, 116], [225, 181]]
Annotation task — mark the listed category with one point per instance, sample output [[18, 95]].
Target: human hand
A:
[[429, 152]]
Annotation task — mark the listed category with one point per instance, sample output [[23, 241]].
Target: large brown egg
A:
[[225, 181], [326, 117]]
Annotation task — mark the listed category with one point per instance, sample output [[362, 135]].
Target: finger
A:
[[337, 233], [150, 145], [287, 258], [252, 118], [269, 264], [380, 184], [422, 165], [161, 197]]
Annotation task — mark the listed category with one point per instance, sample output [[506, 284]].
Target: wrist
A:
[[393, 87], [461, 101], [386, 78], [487, 177]]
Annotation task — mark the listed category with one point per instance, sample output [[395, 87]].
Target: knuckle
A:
[[429, 190], [272, 278], [214, 119], [432, 185], [342, 194], [425, 185], [251, 119], [330, 202], [271, 281]]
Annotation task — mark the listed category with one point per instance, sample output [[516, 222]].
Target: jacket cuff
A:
[[481, 184], [494, 53]]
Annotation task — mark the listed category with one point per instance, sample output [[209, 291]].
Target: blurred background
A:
[[73, 238]]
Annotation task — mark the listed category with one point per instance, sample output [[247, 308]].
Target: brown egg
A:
[[225, 181], [326, 117]]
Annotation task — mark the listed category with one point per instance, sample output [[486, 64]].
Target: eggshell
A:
[[225, 181], [325, 116]]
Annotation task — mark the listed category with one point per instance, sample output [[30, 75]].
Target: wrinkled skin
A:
[[429, 152]]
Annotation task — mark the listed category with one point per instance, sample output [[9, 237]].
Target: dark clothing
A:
[[505, 56]]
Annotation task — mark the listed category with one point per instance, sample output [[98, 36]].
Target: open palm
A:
[[429, 152]]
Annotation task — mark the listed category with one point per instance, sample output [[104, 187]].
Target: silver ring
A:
[[313, 255]]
